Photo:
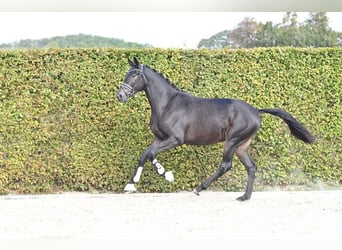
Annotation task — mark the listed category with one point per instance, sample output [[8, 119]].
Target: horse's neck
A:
[[159, 92]]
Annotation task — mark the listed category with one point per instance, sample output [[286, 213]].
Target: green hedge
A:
[[61, 127]]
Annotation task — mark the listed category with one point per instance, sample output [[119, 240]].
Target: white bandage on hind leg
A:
[[138, 174], [160, 168]]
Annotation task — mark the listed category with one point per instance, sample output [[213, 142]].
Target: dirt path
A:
[[212, 215]]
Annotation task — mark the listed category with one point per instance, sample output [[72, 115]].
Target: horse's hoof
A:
[[130, 188], [243, 198], [169, 176], [196, 192]]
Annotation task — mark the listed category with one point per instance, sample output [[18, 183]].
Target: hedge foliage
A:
[[62, 128]]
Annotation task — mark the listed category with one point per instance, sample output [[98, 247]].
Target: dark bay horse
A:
[[179, 118]]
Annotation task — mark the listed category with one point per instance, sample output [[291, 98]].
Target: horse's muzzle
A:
[[124, 92], [121, 96]]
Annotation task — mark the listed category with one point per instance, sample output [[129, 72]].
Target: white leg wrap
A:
[[130, 188], [160, 168], [138, 174], [169, 176]]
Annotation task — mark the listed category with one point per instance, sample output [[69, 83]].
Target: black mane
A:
[[165, 78]]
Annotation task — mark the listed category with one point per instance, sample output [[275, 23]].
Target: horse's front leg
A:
[[130, 187], [156, 147], [161, 171]]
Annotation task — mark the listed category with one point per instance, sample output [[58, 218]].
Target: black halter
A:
[[128, 89]]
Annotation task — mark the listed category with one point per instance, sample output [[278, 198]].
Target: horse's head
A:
[[135, 81]]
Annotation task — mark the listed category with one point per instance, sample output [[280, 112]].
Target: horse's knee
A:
[[145, 157]]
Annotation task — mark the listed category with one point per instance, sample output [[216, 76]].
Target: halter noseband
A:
[[128, 89]]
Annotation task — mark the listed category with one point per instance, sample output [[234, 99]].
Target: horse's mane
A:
[[164, 78]]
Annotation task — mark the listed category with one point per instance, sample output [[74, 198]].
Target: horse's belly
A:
[[202, 136]]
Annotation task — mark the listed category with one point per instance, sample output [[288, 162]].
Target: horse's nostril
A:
[[121, 97]]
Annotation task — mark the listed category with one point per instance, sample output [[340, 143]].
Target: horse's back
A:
[[226, 107]]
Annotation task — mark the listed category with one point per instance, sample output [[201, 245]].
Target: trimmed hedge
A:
[[61, 127]]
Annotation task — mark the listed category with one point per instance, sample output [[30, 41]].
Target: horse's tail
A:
[[297, 129]]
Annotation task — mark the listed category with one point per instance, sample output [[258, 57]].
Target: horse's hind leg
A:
[[246, 159], [226, 164]]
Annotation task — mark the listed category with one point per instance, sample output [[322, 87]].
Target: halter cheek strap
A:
[[141, 70]]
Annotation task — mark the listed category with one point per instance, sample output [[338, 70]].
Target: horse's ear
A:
[[131, 63], [137, 63]]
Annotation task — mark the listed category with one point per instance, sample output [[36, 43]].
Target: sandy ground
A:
[[212, 215]]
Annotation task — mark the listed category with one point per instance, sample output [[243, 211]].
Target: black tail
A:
[[297, 129]]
